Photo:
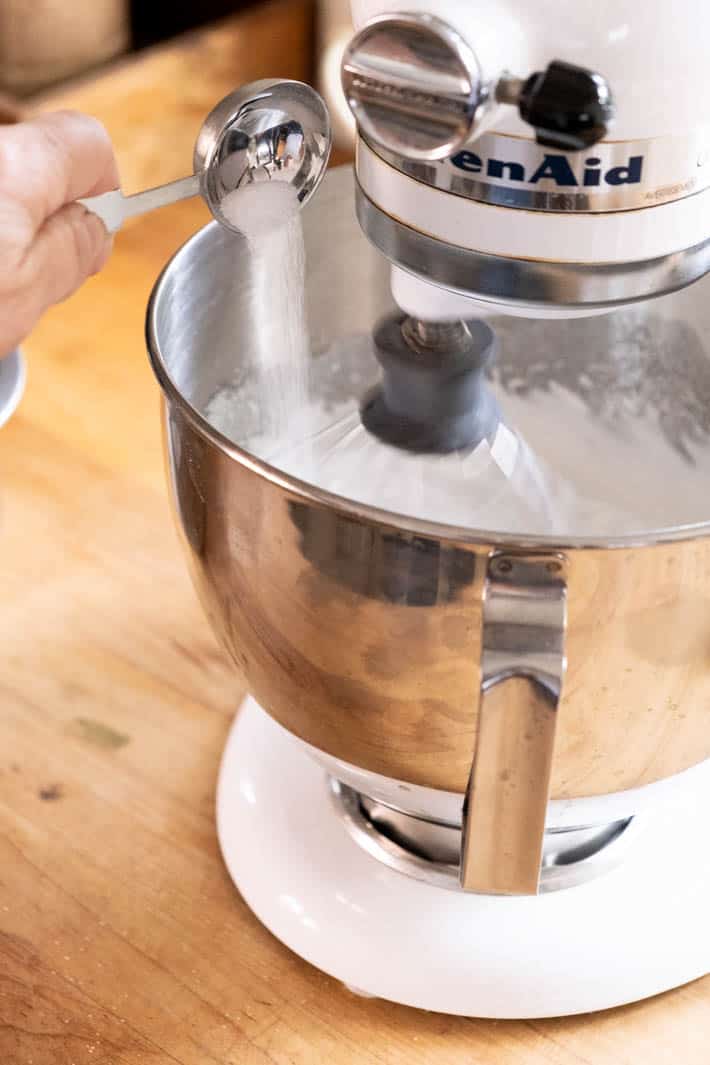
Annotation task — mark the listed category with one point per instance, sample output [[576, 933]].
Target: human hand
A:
[[49, 245]]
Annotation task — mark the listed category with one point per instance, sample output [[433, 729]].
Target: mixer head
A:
[[485, 161]]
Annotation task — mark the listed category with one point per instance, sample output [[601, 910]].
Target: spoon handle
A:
[[113, 208]]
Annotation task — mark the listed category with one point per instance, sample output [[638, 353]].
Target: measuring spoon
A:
[[270, 130]]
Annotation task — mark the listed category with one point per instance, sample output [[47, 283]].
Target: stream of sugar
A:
[[268, 215]]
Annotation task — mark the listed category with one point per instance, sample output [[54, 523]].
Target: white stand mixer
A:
[[488, 786]]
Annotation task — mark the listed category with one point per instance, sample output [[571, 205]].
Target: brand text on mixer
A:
[[552, 168]]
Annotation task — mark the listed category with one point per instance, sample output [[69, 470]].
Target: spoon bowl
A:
[[271, 130]]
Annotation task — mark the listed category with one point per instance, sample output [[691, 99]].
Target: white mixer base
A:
[[639, 930]]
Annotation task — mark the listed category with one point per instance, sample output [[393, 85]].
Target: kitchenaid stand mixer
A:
[[482, 783]]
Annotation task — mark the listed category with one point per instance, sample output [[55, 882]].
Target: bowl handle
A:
[[522, 668]]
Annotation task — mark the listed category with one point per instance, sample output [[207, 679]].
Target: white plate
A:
[[13, 375]]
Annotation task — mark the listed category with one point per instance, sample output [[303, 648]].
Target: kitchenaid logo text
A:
[[553, 168]]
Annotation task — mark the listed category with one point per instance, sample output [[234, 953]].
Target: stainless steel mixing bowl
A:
[[564, 666]]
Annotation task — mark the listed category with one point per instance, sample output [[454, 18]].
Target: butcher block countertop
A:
[[122, 939]]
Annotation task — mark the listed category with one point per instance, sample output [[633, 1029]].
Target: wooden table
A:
[[122, 939]]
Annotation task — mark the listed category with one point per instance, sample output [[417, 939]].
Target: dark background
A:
[[159, 20]]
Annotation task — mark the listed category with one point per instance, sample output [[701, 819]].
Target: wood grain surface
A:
[[122, 939]]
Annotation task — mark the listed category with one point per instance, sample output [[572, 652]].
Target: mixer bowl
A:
[[361, 632]]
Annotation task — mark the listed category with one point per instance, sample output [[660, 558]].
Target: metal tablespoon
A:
[[271, 130]]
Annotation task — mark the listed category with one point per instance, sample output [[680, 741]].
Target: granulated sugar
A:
[[499, 485], [301, 414], [300, 411], [268, 215], [261, 207]]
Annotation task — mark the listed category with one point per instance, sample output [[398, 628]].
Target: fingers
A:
[[71, 246], [49, 244], [52, 160]]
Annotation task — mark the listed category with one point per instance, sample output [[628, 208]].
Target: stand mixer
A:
[[474, 776]]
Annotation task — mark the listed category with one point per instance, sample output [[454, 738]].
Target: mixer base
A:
[[639, 930]]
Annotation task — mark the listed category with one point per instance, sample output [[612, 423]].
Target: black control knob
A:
[[569, 107]]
